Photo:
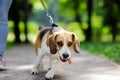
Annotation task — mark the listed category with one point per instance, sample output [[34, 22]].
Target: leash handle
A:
[[47, 13]]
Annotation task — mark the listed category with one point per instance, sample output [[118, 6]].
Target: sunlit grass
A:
[[106, 38], [118, 37], [109, 50]]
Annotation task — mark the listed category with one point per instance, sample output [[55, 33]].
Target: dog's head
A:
[[63, 43]]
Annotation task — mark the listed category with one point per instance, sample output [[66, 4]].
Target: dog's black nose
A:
[[65, 55]]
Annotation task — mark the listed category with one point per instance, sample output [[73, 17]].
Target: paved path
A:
[[84, 67]]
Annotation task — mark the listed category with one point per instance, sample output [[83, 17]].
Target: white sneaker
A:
[[2, 65]]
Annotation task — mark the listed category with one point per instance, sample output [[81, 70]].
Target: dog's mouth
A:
[[66, 60]]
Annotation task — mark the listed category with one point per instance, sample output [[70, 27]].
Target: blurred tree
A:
[[88, 31], [19, 11], [112, 16], [14, 15], [26, 10], [76, 4], [72, 10]]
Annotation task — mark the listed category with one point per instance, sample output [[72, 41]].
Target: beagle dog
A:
[[58, 45]]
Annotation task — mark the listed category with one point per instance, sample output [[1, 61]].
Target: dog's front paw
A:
[[34, 71], [49, 76]]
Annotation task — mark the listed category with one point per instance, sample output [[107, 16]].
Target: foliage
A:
[[109, 50], [9, 45], [75, 27], [113, 18], [94, 20]]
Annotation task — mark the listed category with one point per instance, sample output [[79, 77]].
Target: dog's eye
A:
[[60, 43], [69, 44]]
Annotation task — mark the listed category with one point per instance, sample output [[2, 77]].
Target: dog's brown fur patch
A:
[[42, 32]]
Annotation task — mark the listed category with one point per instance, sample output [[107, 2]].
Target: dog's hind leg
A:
[[38, 63]]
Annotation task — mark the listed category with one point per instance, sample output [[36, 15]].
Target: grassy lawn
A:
[[9, 45], [109, 50]]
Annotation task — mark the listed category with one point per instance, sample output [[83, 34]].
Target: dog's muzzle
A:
[[65, 60]]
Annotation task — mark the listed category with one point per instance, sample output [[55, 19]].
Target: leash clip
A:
[[47, 13], [50, 18]]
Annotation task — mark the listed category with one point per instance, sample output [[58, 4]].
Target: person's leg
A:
[[4, 8]]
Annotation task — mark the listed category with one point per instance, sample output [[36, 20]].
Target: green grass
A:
[[9, 45], [109, 50]]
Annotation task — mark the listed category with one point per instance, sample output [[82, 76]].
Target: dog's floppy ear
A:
[[51, 43], [76, 44]]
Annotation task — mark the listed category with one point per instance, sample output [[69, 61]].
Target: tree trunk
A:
[[88, 32], [113, 23], [26, 13], [14, 14], [16, 28]]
